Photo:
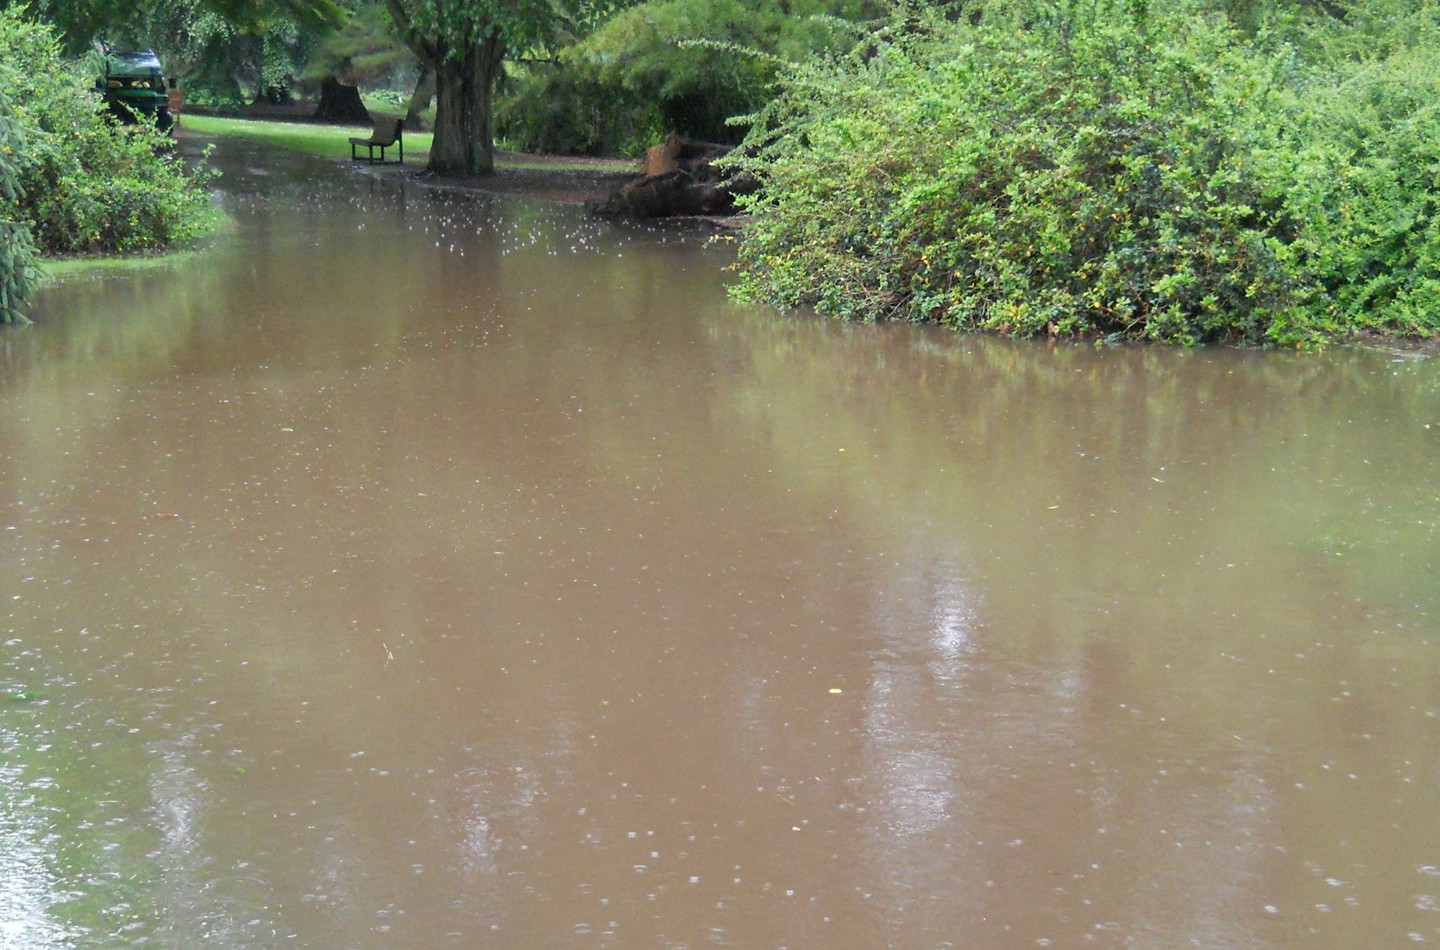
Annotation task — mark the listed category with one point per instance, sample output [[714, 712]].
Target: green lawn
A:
[[333, 141], [63, 268], [330, 141]]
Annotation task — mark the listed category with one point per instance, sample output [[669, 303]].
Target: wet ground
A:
[[423, 570]]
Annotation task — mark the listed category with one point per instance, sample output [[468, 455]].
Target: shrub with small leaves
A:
[[86, 184], [1101, 169], [1362, 173]]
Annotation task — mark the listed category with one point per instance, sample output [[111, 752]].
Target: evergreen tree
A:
[[17, 251]]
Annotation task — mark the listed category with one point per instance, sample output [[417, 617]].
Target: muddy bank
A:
[[560, 183]]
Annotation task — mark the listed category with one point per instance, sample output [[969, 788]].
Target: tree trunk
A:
[[420, 99], [464, 141], [340, 103]]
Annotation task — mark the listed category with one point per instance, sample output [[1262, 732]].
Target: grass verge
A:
[[333, 141], [328, 141], [54, 269]]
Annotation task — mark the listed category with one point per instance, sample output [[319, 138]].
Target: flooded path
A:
[[418, 570]]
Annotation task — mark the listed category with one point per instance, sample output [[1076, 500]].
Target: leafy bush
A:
[[1099, 169], [87, 184], [1362, 182]]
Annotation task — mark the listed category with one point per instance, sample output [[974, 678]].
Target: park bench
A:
[[387, 132]]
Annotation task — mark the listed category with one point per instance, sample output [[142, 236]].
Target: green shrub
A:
[[1363, 185], [1100, 169], [1074, 173], [87, 184]]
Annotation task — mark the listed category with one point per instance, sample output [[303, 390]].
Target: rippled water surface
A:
[[419, 570]]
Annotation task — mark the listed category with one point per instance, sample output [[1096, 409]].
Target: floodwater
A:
[[417, 570]]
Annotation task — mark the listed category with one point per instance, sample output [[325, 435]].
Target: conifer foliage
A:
[[17, 251]]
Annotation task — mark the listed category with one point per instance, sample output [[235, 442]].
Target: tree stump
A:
[[679, 179], [340, 103]]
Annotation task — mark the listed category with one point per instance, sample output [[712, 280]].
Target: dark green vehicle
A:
[[134, 88]]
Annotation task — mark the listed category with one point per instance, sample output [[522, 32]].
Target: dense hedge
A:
[[88, 185], [1104, 169]]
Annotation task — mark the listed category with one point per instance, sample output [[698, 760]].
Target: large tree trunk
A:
[[420, 99], [464, 98]]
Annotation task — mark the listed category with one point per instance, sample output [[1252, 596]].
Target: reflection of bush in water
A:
[[1277, 442], [134, 326]]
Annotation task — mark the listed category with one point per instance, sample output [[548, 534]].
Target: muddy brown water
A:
[[421, 570]]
